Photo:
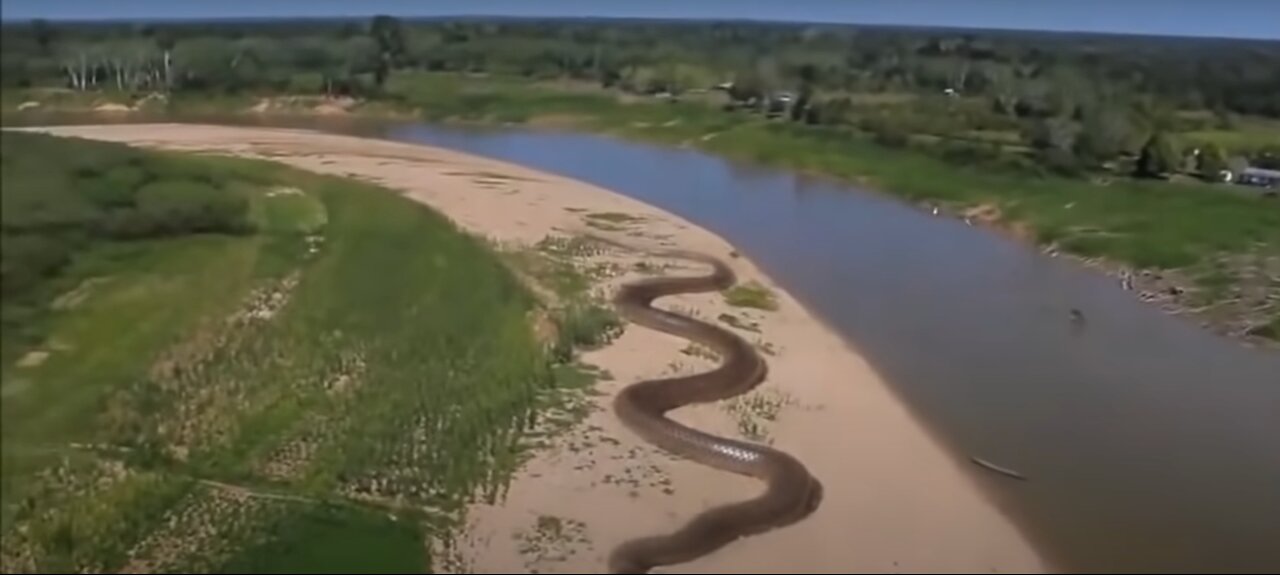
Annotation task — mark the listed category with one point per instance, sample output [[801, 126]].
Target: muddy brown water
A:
[[1148, 443]]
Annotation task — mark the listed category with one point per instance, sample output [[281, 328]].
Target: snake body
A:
[[791, 493]]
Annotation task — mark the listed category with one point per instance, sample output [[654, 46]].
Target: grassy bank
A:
[[1211, 248], [1214, 248], [268, 400]]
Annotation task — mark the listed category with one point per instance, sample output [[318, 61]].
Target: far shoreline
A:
[[1172, 291]]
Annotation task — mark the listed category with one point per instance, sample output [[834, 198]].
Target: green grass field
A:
[[321, 394], [319, 539]]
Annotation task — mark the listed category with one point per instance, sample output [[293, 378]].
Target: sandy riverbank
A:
[[895, 501]]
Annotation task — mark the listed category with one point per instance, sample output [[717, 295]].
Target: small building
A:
[[1260, 177]]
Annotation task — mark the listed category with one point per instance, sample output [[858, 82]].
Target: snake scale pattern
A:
[[791, 493]]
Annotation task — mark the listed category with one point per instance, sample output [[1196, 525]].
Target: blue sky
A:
[[1231, 18]]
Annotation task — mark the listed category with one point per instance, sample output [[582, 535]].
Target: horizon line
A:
[[411, 18]]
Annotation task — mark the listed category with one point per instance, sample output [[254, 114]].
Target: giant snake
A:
[[791, 493]]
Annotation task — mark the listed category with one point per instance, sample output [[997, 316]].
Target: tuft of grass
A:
[[737, 322], [287, 209], [584, 325], [699, 350], [756, 411], [604, 226], [752, 295], [614, 217]]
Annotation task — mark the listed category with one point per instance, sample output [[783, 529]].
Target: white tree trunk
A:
[[963, 77], [168, 72], [84, 72]]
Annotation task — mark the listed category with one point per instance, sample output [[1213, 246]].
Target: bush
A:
[[172, 207], [1063, 162], [1268, 158], [25, 259], [965, 153], [1018, 162], [306, 83], [42, 200], [64, 196], [886, 132], [584, 326], [1158, 158], [116, 187], [751, 294], [1211, 162]]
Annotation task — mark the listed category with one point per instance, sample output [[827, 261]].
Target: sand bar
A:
[[895, 500]]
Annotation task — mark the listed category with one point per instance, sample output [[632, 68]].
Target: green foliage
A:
[[177, 206], [1141, 223], [1020, 74], [1211, 162], [1062, 162], [1053, 134], [1106, 132], [885, 132], [389, 35], [1093, 99], [196, 361], [316, 539], [584, 325], [64, 197], [748, 86], [751, 295], [1267, 157], [1269, 330], [1159, 157]]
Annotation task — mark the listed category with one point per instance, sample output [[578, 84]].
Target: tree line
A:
[[1076, 100]]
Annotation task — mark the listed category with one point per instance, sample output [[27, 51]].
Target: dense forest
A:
[[1071, 102]]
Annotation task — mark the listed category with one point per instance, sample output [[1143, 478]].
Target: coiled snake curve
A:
[[791, 493]]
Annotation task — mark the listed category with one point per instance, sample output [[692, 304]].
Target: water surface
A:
[[1150, 444]]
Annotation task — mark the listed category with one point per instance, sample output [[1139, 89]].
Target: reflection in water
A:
[[1149, 444]]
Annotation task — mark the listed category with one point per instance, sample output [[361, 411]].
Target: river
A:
[[1149, 444]]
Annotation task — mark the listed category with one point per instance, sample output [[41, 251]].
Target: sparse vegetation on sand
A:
[[321, 384], [752, 295]]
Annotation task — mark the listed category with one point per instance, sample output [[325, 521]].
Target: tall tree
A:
[[389, 35], [747, 86], [44, 33], [803, 102], [1003, 86], [1158, 158], [165, 41], [1211, 162], [1106, 131]]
